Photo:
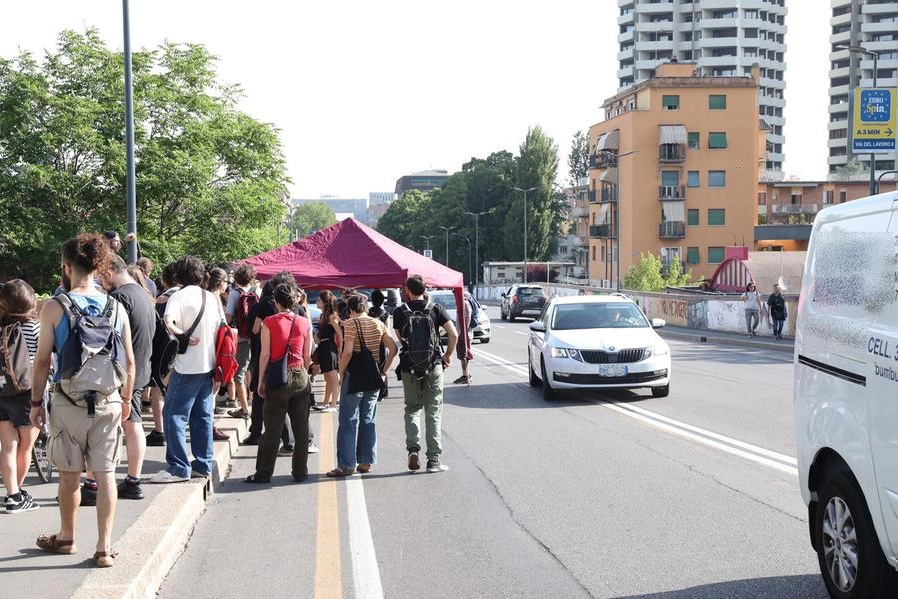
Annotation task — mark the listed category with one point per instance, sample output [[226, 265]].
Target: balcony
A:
[[602, 232], [796, 208], [609, 194], [602, 160], [671, 193], [672, 229], [672, 152], [591, 196], [580, 212]]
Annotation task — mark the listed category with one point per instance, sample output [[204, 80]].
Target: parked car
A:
[[597, 342], [846, 416], [446, 298], [392, 297], [522, 300]]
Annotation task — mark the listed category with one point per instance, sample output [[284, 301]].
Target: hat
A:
[[111, 235]]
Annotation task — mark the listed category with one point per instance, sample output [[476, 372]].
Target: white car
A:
[[445, 298], [597, 342]]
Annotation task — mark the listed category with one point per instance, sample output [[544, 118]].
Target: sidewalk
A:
[[766, 341]]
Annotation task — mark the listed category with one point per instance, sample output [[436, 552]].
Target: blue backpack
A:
[[474, 323]]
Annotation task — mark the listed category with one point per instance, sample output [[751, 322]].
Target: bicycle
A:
[[40, 459]]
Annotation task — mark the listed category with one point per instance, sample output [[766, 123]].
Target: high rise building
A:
[[722, 37], [864, 25]]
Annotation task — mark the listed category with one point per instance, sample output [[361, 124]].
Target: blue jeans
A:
[[778, 327], [356, 436], [188, 401]]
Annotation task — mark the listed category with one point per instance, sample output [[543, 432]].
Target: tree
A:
[[675, 275], [578, 159], [209, 178], [645, 275], [310, 217]]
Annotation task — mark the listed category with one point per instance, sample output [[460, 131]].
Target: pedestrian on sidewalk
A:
[[85, 427], [286, 351], [752, 302], [156, 438], [422, 383], [777, 304], [464, 344], [362, 342]]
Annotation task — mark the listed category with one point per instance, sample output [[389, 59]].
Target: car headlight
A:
[[659, 350], [559, 352]]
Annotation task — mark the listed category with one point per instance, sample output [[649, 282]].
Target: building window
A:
[[717, 102], [692, 179], [670, 178], [593, 253], [692, 216], [762, 198], [795, 198], [717, 216], [670, 102], [694, 141], [828, 196], [717, 140], [715, 254], [843, 196], [692, 255], [717, 178]]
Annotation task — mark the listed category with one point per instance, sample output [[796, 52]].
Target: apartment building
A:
[[860, 29], [722, 37], [422, 181], [674, 172]]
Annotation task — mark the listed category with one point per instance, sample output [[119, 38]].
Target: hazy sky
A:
[[365, 92]]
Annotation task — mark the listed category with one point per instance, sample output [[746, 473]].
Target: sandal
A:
[[54, 545], [340, 472], [105, 559], [364, 468], [252, 478]]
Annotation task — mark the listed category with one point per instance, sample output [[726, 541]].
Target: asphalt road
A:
[[613, 495]]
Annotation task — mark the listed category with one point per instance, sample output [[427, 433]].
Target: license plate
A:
[[613, 370]]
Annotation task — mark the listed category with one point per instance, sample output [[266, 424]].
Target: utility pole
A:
[[525, 226]]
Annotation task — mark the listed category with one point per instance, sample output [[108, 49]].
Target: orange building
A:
[[674, 170]]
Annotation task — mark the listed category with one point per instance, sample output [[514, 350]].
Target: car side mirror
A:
[[658, 323], [503, 295], [538, 326]]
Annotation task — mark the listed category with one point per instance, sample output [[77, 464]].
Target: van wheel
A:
[[661, 391], [549, 394], [848, 550], [534, 380], [502, 314]]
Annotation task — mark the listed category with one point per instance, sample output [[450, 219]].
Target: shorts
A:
[[327, 355], [460, 347], [242, 358], [136, 414], [16, 409], [75, 438]]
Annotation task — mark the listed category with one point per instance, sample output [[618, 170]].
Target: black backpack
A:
[[420, 340], [15, 363], [165, 348]]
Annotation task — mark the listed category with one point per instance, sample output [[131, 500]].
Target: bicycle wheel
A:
[[40, 460]]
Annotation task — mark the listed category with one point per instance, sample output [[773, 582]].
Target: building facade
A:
[[674, 172], [422, 181], [722, 38], [870, 25]]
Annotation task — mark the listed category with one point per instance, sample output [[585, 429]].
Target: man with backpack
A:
[[241, 299], [142, 317], [93, 382], [421, 365], [193, 315]]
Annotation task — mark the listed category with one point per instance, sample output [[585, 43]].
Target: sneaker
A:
[[219, 435], [238, 413], [219, 410], [319, 407], [155, 439], [19, 503], [129, 491], [286, 449], [231, 403], [434, 465], [164, 476], [462, 380], [88, 496], [313, 448], [250, 441], [329, 409], [413, 462]]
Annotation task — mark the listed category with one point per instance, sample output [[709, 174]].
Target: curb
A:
[[709, 337], [152, 544]]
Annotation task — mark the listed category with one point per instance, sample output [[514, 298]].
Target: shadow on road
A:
[[806, 586], [729, 355]]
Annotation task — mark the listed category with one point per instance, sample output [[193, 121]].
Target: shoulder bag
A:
[[364, 373], [276, 373]]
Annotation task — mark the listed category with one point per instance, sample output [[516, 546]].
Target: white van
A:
[[846, 395]]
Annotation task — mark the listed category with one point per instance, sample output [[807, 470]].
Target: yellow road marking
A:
[[328, 579]]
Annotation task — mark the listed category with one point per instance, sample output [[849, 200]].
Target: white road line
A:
[[525, 334], [365, 574], [754, 453]]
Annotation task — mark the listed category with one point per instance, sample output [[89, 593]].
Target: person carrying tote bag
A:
[[361, 385], [284, 383]]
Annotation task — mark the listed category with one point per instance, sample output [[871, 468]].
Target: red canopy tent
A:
[[349, 254]]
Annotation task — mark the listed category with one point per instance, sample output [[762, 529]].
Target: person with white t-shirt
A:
[[189, 398]]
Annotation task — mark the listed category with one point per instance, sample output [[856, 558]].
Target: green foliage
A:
[[578, 159], [201, 165], [647, 275], [675, 275], [310, 217]]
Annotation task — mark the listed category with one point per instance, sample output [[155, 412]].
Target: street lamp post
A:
[[131, 195], [447, 229], [525, 226], [427, 239], [874, 187], [468, 239], [477, 216]]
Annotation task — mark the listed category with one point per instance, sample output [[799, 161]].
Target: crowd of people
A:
[[89, 394]]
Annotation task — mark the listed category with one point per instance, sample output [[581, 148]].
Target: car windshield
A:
[[597, 316], [447, 300]]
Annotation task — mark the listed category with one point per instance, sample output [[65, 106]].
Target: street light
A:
[[130, 193], [466, 238], [874, 187], [525, 226], [447, 229], [477, 216], [427, 239]]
